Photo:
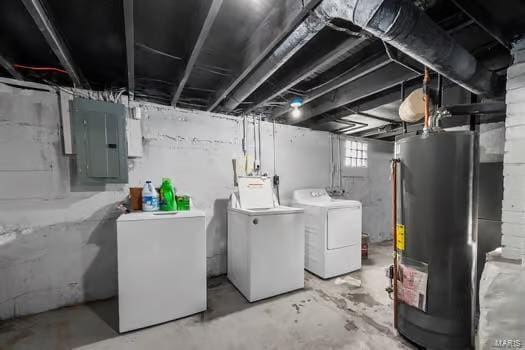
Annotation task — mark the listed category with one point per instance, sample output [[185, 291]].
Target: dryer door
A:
[[344, 227]]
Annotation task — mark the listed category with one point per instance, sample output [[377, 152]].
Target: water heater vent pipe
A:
[[426, 96]]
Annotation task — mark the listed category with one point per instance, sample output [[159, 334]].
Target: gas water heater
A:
[[436, 235]]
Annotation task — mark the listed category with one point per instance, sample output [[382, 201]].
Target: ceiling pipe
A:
[[404, 26]]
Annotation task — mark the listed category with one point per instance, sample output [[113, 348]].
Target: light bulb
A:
[[296, 112]]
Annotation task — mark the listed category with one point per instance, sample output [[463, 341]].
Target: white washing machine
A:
[[332, 232], [265, 241], [161, 267]]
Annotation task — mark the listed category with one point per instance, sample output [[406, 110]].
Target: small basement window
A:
[[356, 154]]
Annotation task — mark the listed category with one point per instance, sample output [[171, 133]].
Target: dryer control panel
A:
[[311, 195]]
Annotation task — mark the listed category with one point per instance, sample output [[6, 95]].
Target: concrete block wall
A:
[[373, 189], [196, 150], [58, 246], [513, 227]]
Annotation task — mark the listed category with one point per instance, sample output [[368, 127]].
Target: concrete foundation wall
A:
[[370, 186], [196, 150], [58, 247]]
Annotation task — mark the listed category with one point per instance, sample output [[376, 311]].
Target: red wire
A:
[[53, 69]]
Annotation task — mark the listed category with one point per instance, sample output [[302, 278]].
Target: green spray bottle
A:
[[167, 196]]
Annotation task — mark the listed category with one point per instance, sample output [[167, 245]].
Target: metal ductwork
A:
[[403, 25], [399, 23]]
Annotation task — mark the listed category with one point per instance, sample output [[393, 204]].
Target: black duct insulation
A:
[[401, 24]]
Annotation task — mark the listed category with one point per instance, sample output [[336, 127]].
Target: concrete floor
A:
[[327, 314]]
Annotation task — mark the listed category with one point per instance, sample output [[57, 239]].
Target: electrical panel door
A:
[[99, 142]]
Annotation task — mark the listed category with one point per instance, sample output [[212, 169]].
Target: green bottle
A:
[[167, 196]]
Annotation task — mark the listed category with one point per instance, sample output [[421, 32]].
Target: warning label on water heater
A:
[[412, 285], [400, 234]]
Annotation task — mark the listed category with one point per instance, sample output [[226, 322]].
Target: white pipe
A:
[[254, 145], [260, 145], [340, 164], [274, 150], [244, 135]]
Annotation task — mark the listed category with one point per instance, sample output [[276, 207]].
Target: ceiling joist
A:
[[9, 68], [294, 76], [129, 31], [54, 40], [199, 36], [272, 31], [378, 80], [473, 10]]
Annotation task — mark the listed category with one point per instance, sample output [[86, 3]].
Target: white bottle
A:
[[150, 197]]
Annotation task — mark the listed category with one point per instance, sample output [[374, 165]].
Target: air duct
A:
[[401, 24]]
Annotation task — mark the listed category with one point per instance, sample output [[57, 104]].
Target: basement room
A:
[[262, 174]]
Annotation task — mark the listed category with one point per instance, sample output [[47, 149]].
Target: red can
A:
[[364, 245]]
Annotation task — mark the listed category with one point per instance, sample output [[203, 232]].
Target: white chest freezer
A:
[[265, 245], [333, 231], [161, 267]]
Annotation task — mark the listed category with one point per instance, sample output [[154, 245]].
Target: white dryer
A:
[[332, 232], [265, 241]]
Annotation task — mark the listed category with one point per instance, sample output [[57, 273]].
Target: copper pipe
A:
[[394, 234], [426, 97]]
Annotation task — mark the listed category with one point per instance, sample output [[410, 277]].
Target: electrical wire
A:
[[35, 68]]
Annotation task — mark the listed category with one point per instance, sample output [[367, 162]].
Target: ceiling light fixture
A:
[[295, 103], [296, 112]]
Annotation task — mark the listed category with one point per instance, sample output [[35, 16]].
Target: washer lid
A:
[[255, 192], [270, 211]]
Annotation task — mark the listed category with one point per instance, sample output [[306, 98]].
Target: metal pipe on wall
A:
[[255, 162], [244, 150], [276, 180], [332, 163], [426, 97], [340, 162], [274, 150], [260, 143], [394, 235]]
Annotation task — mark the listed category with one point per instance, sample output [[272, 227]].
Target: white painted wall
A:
[[58, 247], [196, 150], [370, 186], [513, 228]]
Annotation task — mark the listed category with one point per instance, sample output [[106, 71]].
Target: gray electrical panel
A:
[[99, 142]]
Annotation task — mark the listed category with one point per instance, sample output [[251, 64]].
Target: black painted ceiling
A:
[[94, 33]]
